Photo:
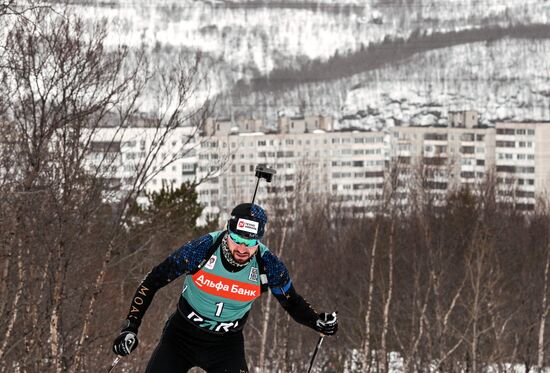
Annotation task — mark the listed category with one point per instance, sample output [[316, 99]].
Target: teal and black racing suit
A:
[[206, 328]]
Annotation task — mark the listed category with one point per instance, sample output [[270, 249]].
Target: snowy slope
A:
[[507, 79], [245, 40]]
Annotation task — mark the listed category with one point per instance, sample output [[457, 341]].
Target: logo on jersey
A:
[[249, 226], [212, 325], [253, 276], [226, 288], [211, 262]]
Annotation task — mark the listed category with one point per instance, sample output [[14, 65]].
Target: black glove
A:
[[327, 323], [127, 341]]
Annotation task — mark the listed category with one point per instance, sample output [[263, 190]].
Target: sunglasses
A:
[[249, 242]]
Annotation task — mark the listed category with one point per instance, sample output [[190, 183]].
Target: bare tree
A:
[[545, 308], [366, 348], [61, 88]]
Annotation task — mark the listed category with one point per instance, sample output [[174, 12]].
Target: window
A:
[[374, 174], [440, 149], [527, 170], [435, 136], [506, 144], [505, 131], [509, 169], [467, 137]]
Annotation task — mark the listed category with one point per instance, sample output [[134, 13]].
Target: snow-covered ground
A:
[[243, 40]]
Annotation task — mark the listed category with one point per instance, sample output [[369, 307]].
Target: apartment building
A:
[[464, 153], [314, 161], [522, 162], [444, 157], [310, 161], [119, 154]]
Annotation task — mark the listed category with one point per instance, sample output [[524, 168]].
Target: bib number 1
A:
[[219, 308]]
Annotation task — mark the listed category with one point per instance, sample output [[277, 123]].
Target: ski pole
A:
[[315, 352], [113, 365]]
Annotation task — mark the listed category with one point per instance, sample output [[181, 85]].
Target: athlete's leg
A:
[[228, 357], [230, 366], [167, 359], [169, 355]]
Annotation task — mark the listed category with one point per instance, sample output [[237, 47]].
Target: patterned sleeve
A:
[[184, 260], [278, 280]]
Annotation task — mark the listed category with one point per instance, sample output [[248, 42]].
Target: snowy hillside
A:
[[246, 41], [507, 79]]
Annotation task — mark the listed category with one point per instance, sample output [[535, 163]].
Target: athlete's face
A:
[[241, 253]]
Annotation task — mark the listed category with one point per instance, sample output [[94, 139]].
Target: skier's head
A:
[[246, 226], [248, 221]]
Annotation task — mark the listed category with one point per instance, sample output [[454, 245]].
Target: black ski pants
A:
[[183, 346]]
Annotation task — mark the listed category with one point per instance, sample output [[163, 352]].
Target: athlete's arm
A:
[[281, 287], [183, 260]]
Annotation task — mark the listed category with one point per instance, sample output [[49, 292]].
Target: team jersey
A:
[[214, 298], [220, 299]]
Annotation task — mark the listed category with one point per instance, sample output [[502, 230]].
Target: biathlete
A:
[[226, 271]]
